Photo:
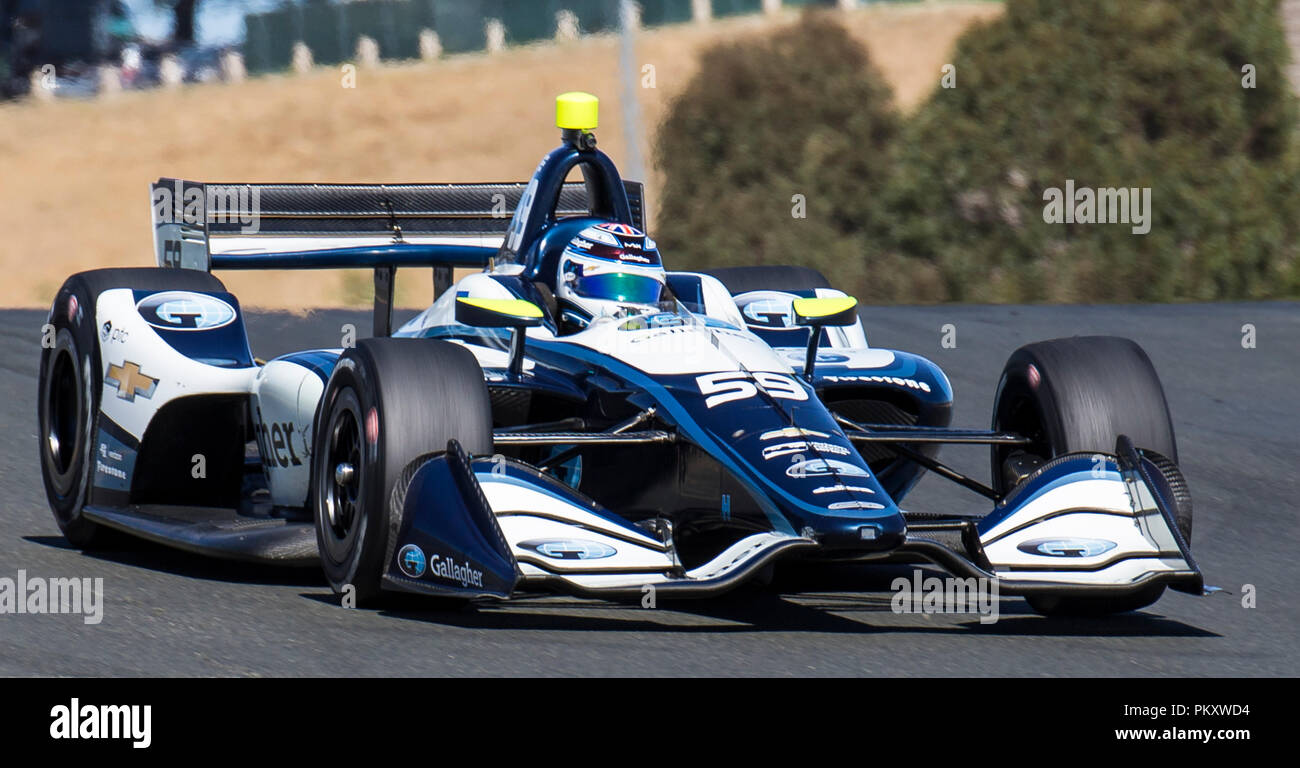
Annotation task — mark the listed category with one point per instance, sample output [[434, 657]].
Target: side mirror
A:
[[497, 313], [501, 313], [819, 313]]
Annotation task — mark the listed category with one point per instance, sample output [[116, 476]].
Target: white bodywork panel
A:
[[283, 394], [526, 513], [684, 349], [718, 303], [284, 401], [135, 341], [1100, 511]]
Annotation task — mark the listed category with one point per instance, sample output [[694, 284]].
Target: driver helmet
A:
[[609, 270]]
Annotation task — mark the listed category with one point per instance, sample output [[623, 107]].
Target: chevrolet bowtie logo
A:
[[129, 381]]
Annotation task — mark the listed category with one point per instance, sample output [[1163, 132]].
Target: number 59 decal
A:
[[723, 387]]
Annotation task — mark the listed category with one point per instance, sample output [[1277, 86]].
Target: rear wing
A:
[[208, 226]]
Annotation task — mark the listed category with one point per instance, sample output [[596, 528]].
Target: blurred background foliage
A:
[[946, 204]]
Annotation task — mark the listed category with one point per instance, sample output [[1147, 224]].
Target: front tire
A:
[[1078, 395], [387, 402], [68, 410]]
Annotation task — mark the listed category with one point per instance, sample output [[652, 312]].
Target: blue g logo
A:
[[412, 561], [185, 311], [1067, 547]]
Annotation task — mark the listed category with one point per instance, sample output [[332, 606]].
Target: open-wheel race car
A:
[[571, 416]]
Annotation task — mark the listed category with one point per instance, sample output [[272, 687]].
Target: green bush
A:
[[799, 113], [1108, 94]]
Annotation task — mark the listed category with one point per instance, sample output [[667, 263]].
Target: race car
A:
[[572, 416]]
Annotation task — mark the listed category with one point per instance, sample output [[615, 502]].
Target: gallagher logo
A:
[[185, 311], [449, 569]]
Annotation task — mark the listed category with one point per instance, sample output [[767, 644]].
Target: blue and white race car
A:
[[572, 416]]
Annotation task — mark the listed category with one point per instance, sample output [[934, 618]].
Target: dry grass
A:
[[74, 175]]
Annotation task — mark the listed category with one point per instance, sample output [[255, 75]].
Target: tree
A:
[[771, 151], [1106, 94]]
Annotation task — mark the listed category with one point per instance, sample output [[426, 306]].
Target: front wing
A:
[[1085, 524]]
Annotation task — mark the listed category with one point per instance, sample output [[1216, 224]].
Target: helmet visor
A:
[[618, 286]]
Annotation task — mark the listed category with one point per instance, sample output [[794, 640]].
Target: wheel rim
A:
[[1024, 417], [341, 491], [1016, 410]]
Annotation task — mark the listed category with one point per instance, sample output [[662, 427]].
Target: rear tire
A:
[[1078, 395], [387, 402], [71, 383], [769, 278]]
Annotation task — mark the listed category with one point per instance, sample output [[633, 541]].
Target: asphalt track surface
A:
[[1237, 421]]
